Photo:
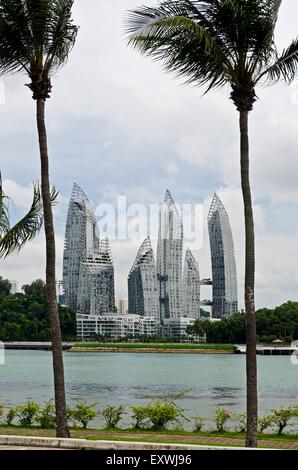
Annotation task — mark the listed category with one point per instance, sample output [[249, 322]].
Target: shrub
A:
[[161, 413], [47, 416], [1, 409], [220, 417], [199, 423], [69, 413], [27, 413], [241, 421], [10, 415], [265, 422], [282, 417], [112, 415], [83, 413], [139, 415]]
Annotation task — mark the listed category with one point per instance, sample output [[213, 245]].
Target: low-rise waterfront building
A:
[[115, 326], [175, 328]]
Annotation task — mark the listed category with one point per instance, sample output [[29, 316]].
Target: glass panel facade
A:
[[88, 271], [225, 295]]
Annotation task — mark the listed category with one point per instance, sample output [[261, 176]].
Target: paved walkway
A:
[[25, 448], [223, 441]]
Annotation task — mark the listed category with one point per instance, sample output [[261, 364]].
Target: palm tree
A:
[[13, 238], [213, 43], [36, 37]]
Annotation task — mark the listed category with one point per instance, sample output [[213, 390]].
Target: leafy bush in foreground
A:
[[241, 421], [10, 415], [281, 418], [161, 413], [220, 417], [112, 415], [199, 423], [83, 413], [265, 422], [47, 417], [140, 416], [27, 413]]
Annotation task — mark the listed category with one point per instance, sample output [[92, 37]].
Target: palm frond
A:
[[63, 35], [213, 42], [28, 227], [265, 47], [36, 36], [4, 216], [15, 38], [285, 67], [25, 229], [174, 34]]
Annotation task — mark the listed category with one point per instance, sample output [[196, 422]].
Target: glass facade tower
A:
[[191, 284], [169, 260], [225, 296], [88, 272], [142, 283]]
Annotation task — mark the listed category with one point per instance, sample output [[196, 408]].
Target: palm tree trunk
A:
[[60, 402], [251, 340]]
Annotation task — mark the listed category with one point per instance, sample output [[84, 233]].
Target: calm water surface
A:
[[124, 378]]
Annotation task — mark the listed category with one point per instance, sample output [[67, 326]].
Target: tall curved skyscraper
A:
[[191, 286], [88, 271], [142, 283], [75, 243], [96, 282], [224, 274], [169, 260]]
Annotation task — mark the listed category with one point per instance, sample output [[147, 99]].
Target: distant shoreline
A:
[[150, 350], [153, 348]]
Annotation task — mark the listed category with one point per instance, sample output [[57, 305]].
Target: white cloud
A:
[[171, 168], [20, 196], [118, 125], [29, 263]]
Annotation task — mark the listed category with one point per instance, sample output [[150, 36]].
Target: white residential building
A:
[[115, 326]]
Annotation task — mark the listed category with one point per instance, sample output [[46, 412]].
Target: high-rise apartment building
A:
[[143, 296], [96, 282], [169, 260], [225, 296], [88, 272], [75, 244], [191, 286], [122, 306]]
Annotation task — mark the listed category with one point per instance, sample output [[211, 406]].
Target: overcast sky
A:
[[118, 125]]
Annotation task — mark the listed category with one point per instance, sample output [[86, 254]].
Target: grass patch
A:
[[146, 435], [222, 347]]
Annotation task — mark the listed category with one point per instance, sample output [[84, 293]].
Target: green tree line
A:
[[278, 323], [24, 316]]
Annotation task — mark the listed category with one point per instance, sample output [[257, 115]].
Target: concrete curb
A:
[[84, 444]]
